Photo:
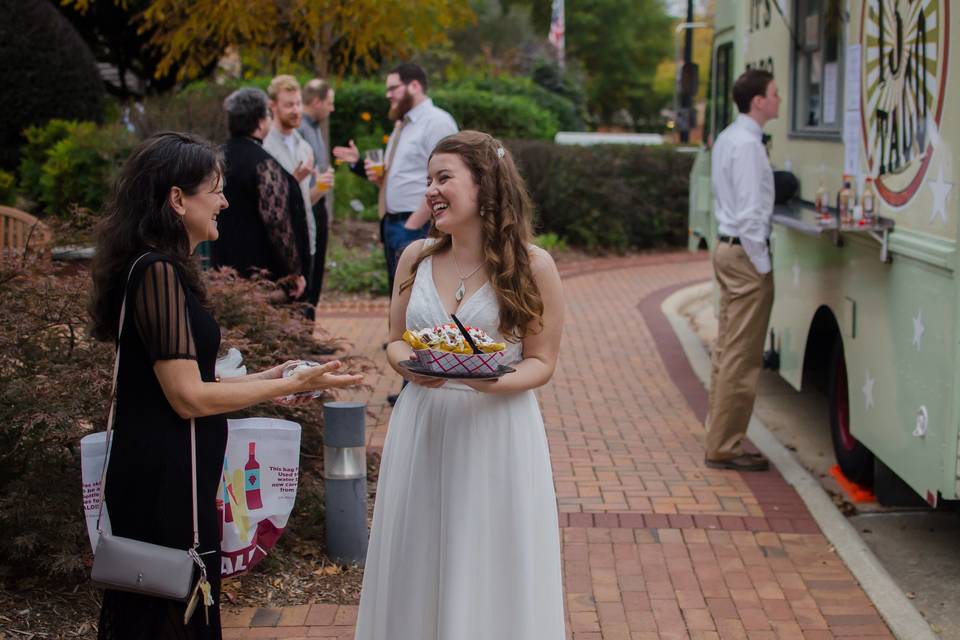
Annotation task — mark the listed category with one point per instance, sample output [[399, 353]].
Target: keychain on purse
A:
[[201, 590]]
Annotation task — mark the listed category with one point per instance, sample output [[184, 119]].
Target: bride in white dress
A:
[[465, 542]]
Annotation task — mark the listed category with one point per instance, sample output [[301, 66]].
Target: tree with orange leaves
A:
[[331, 36]]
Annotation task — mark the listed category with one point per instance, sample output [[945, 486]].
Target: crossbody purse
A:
[[125, 564]]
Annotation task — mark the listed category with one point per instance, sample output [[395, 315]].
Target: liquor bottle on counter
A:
[[868, 202], [846, 202], [821, 202], [252, 476]]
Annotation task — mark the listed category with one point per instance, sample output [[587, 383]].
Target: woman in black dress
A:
[[165, 203], [265, 227]]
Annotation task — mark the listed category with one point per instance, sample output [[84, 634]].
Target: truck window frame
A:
[[722, 98], [804, 55]]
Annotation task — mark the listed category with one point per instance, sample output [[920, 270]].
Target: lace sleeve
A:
[[160, 313], [274, 198]]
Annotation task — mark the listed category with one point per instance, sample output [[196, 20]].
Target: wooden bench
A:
[[20, 230]]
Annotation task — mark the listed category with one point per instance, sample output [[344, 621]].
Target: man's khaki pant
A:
[[746, 298]]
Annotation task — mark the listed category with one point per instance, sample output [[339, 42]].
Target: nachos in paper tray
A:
[[443, 350]]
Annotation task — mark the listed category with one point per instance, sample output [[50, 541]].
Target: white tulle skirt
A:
[[465, 543]]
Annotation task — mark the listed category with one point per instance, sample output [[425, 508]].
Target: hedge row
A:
[[610, 197], [505, 107]]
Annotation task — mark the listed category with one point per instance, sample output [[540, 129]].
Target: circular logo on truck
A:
[[904, 56]]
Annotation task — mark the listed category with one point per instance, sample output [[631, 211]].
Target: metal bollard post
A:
[[345, 481]]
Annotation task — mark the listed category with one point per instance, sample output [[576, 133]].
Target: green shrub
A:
[[567, 115], [361, 112], [360, 115], [351, 189], [500, 116], [607, 197], [550, 242], [8, 192], [510, 108], [356, 270], [33, 155], [72, 163]]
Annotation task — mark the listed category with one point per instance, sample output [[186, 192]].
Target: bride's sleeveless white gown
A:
[[465, 542]]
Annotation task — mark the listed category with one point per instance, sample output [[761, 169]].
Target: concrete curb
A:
[[898, 612]]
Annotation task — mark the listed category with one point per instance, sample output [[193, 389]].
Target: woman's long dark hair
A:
[[138, 218]]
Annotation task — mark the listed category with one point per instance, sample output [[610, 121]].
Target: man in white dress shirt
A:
[[744, 195], [404, 216], [294, 154]]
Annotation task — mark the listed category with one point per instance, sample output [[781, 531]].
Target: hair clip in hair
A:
[[500, 152]]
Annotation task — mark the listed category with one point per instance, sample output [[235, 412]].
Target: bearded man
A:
[[402, 178]]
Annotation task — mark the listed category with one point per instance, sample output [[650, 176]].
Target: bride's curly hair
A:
[[507, 222]]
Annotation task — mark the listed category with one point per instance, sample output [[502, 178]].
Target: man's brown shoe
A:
[[745, 462]]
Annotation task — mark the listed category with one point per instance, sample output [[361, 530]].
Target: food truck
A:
[[866, 308]]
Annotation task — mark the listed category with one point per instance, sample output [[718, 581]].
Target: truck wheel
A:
[[855, 460]]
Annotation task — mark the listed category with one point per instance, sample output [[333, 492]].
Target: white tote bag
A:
[[258, 486]]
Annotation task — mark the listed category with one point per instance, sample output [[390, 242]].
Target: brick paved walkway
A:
[[655, 545]]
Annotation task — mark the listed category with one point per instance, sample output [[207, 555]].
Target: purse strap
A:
[[110, 417]]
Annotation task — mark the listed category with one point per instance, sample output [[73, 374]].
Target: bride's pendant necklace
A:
[[462, 289]]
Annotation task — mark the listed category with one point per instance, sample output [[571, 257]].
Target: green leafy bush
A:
[[506, 108], [568, 116], [80, 168], [607, 197], [357, 270], [8, 192], [69, 163], [351, 189], [550, 242], [33, 155], [360, 115], [500, 116]]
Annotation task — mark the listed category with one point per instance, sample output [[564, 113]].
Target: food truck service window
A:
[[818, 67]]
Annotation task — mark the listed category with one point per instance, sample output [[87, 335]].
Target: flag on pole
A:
[[557, 29]]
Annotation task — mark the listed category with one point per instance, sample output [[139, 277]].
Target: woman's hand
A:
[[323, 377], [275, 372], [424, 381]]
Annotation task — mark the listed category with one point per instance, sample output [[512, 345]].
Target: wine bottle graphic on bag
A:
[[252, 477], [227, 508]]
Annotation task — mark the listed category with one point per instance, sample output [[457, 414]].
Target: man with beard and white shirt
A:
[[419, 126], [294, 154]]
